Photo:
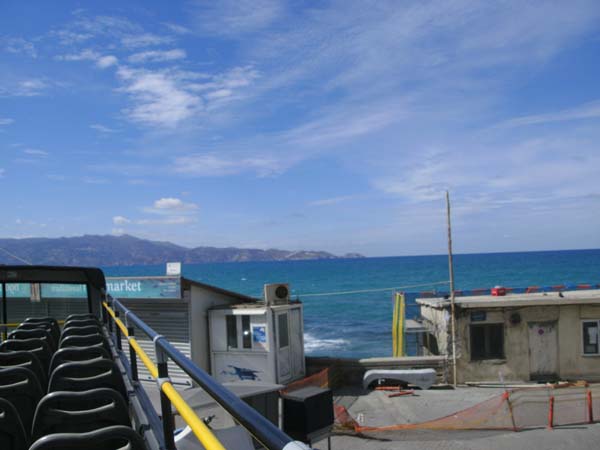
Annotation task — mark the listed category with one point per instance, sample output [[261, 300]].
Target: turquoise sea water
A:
[[359, 325]]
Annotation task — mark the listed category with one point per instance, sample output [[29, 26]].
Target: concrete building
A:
[[519, 337]]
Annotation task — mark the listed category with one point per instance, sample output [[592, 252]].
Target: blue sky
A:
[[333, 125]]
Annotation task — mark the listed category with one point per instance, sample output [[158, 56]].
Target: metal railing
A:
[[258, 426]]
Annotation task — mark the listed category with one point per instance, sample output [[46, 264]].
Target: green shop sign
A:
[[130, 287], [144, 287], [23, 290]]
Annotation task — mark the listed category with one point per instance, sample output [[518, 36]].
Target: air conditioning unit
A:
[[277, 294]]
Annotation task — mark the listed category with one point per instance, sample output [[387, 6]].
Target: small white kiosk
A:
[[258, 341]]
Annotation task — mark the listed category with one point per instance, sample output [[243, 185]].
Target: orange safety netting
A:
[[319, 379], [547, 406]]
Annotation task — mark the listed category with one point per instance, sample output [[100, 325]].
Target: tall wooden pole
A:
[[451, 273]]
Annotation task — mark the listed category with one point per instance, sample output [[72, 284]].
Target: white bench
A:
[[423, 378]]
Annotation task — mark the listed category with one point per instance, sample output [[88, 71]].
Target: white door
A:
[[284, 370], [543, 350]]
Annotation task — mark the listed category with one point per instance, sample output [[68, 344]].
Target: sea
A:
[[342, 321]]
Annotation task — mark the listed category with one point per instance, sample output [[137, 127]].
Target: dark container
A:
[[307, 411]]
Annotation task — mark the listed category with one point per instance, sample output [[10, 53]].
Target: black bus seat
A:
[[45, 320], [35, 333], [50, 320], [81, 323], [77, 354], [39, 347], [83, 376], [79, 412], [12, 433], [80, 316], [88, 340], [109, 438], [21, 387], [27, 359], [81, 331], [55, 332]]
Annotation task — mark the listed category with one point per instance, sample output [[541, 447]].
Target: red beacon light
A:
[[498, 291]]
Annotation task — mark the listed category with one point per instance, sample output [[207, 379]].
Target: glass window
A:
[[590, 337], [246, 335], [282, 325], [487, 341], [231, 331]]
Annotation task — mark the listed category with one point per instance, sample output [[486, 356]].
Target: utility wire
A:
[[15, 256], [374, 290]]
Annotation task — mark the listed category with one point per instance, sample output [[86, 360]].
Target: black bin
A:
[[307, 411]]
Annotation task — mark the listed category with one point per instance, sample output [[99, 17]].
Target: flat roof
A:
[[580, 297], [246, 298]]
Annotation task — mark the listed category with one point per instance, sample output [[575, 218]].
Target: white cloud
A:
[[159, 98], [234, 17], [211, 164], [20, 46], [101, 128], [106, 61], [2, 172], [6, 121], [29, 87], [83, 55], [177, 29], [95, 180], [145, 40], [173, 220], [158, 56], [101, 61], [120, 220], [35, 152], [118, 231], [172, 204], [589, 110], [332, 200]]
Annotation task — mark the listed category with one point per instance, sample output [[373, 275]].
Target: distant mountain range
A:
[[125, 250]]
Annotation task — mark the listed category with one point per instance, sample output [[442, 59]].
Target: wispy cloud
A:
[[176, 28], [2, 172], [4, 121], [101, 61], [173, 220], [213, 165], [19, 46], [158, 56], [102, 128], [36, 152], [145, 40], [234, 17], [95, 180], [332, 200], [589, 110], [29, 87]]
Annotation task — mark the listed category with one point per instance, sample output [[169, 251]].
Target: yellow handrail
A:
[[144, 357], [202, 432], [199, 428]]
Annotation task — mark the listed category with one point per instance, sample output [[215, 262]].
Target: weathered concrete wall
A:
[[437, 322], [572, 364]]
